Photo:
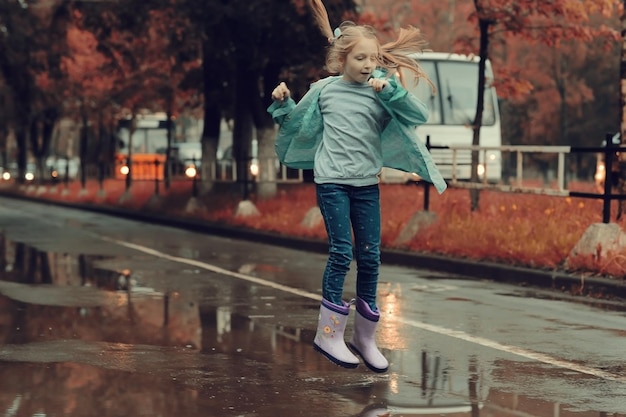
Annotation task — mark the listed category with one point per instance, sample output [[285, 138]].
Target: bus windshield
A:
[[454, 100], [452, 110]]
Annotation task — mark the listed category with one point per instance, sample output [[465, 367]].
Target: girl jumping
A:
[[346, 128]]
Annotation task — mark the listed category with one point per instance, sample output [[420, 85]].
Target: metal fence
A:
[[606, 155], [257, 171]]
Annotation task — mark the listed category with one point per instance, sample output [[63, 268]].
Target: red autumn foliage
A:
[[536, 231], [549, 58]]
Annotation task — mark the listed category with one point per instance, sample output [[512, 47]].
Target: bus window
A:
[[424, 91], [458, 81]]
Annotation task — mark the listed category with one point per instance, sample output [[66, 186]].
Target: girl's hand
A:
[[281, 92], [377, 84]]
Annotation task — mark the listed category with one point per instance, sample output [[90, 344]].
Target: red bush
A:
[[537, 231]]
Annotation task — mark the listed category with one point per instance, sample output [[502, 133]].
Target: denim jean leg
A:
[[365, 216], [334, 203]]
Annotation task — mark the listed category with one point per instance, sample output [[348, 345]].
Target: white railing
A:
[[518, 183], [226, 171]]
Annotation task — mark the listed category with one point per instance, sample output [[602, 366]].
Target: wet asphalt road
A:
[[101, 316]]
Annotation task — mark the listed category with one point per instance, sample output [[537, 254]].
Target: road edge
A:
[[580, 285]]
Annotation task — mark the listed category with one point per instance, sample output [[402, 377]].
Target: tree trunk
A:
[[480, 104], [129, 157], [4, 162], [210, 140], [22, 156], [245, 85], [22, 121], [212, 114], [622, 120], [41, 130], [267, 186]]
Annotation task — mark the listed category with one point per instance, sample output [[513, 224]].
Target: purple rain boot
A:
[[329, 339], [364, 337]]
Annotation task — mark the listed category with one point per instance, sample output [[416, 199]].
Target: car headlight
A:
[[29, 176], [6, 175], [124, 170]]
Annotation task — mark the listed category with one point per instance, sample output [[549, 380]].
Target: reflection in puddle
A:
[[84, 335], [60, 296]]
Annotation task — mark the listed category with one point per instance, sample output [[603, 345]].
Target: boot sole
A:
[[335, 360], [369, 365]]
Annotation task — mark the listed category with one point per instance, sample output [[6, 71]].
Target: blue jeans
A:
[[346, 210]]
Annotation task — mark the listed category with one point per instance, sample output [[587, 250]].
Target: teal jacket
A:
[[301, 128]]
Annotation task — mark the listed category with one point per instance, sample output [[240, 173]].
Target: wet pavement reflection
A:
[[130, 334]]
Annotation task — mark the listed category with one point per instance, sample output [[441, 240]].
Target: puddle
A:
[[90, 335]]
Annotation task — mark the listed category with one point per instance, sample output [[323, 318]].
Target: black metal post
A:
[[83, 174], [67, 172], [101, 175], [194, 180], [129, 174], [166, 309], [609, 153], [245, 176], [156, 176]]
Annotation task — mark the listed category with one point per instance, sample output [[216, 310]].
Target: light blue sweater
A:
[[302, 130], [350, 151]]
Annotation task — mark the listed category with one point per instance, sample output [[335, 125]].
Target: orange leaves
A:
[[81, 41], [525, 230], [511, 83], [536, 231], [84, 59], [84, 64], [606, 8], [548, 22]]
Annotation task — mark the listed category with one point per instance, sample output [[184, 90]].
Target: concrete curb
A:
[[577, 284]]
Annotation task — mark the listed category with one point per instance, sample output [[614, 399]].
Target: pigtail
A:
[[393, 55], [396, 55], [321, 18]]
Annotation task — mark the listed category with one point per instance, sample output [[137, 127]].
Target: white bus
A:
[[452, 110]]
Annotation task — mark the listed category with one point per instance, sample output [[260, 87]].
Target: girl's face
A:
[[359, 63]]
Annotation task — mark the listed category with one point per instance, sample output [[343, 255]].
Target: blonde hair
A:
[[392, 56]]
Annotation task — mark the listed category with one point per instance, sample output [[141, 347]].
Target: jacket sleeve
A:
[[280, 109], [300, 130], [404, 106]]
